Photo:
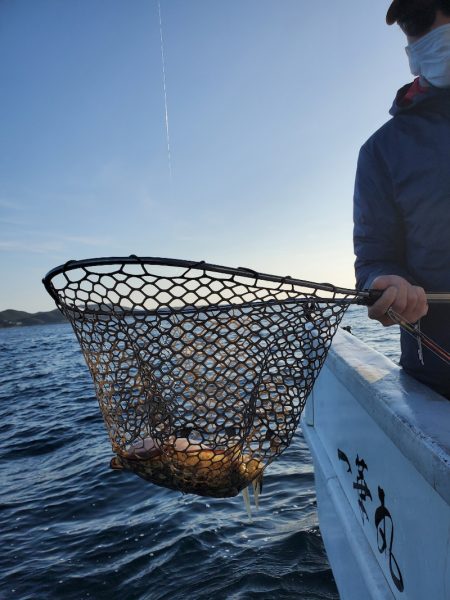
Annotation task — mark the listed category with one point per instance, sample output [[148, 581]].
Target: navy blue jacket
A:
[[402, 214]]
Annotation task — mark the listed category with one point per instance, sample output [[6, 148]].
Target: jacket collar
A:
[[416, 97]]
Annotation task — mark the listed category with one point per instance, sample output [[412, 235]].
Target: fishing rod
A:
[[421, 338], [413, 329]]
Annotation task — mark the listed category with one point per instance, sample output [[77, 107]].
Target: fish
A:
[[191, 467]]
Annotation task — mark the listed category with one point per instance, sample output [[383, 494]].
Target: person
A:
[[402, 194]]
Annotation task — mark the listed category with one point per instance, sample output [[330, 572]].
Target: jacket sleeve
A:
[[378, 234]]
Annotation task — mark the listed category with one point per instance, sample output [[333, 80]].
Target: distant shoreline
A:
[[19, 318]]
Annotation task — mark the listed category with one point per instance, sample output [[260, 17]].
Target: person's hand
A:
[[407, 300]]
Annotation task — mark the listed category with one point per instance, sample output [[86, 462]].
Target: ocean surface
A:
[[70, 527]]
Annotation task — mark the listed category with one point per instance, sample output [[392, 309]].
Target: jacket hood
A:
[[414, 97]]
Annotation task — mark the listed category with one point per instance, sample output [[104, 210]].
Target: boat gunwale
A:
[[413, 416]]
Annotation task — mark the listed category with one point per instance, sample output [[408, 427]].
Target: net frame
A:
[[201, 371]]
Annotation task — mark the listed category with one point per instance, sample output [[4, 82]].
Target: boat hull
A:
[[380, 442]]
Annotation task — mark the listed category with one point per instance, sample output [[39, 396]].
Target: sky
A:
[[268, 104]]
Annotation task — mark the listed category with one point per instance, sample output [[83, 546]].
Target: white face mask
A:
[[429, 57]]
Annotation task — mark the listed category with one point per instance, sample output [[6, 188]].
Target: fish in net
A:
[[201, 371]]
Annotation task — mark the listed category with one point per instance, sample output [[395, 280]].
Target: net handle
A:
[[371, 296]]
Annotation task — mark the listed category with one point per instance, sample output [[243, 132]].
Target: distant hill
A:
[[20, 318]]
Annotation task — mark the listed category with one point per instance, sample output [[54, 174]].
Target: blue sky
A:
[[268, 101]]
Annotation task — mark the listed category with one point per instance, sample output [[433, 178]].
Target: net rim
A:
[[348, 295]]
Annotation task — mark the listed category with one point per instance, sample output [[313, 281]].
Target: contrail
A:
[[164, 88]]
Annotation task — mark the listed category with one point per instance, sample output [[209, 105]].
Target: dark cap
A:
[[399, 9]]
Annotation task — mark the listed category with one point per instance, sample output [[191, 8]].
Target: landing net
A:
[[201, 372]]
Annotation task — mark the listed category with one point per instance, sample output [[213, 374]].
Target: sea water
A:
[[70, 527]]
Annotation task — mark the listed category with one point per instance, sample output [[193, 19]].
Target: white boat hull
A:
[[381, 448]]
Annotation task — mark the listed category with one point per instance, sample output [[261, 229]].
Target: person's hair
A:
[[419, 20]]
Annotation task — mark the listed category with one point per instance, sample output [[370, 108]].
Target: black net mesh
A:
[[201, 372]]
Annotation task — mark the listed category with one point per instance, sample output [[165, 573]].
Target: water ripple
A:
[[72, 528]]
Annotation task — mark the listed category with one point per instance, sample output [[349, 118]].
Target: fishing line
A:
[[163, 63]]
